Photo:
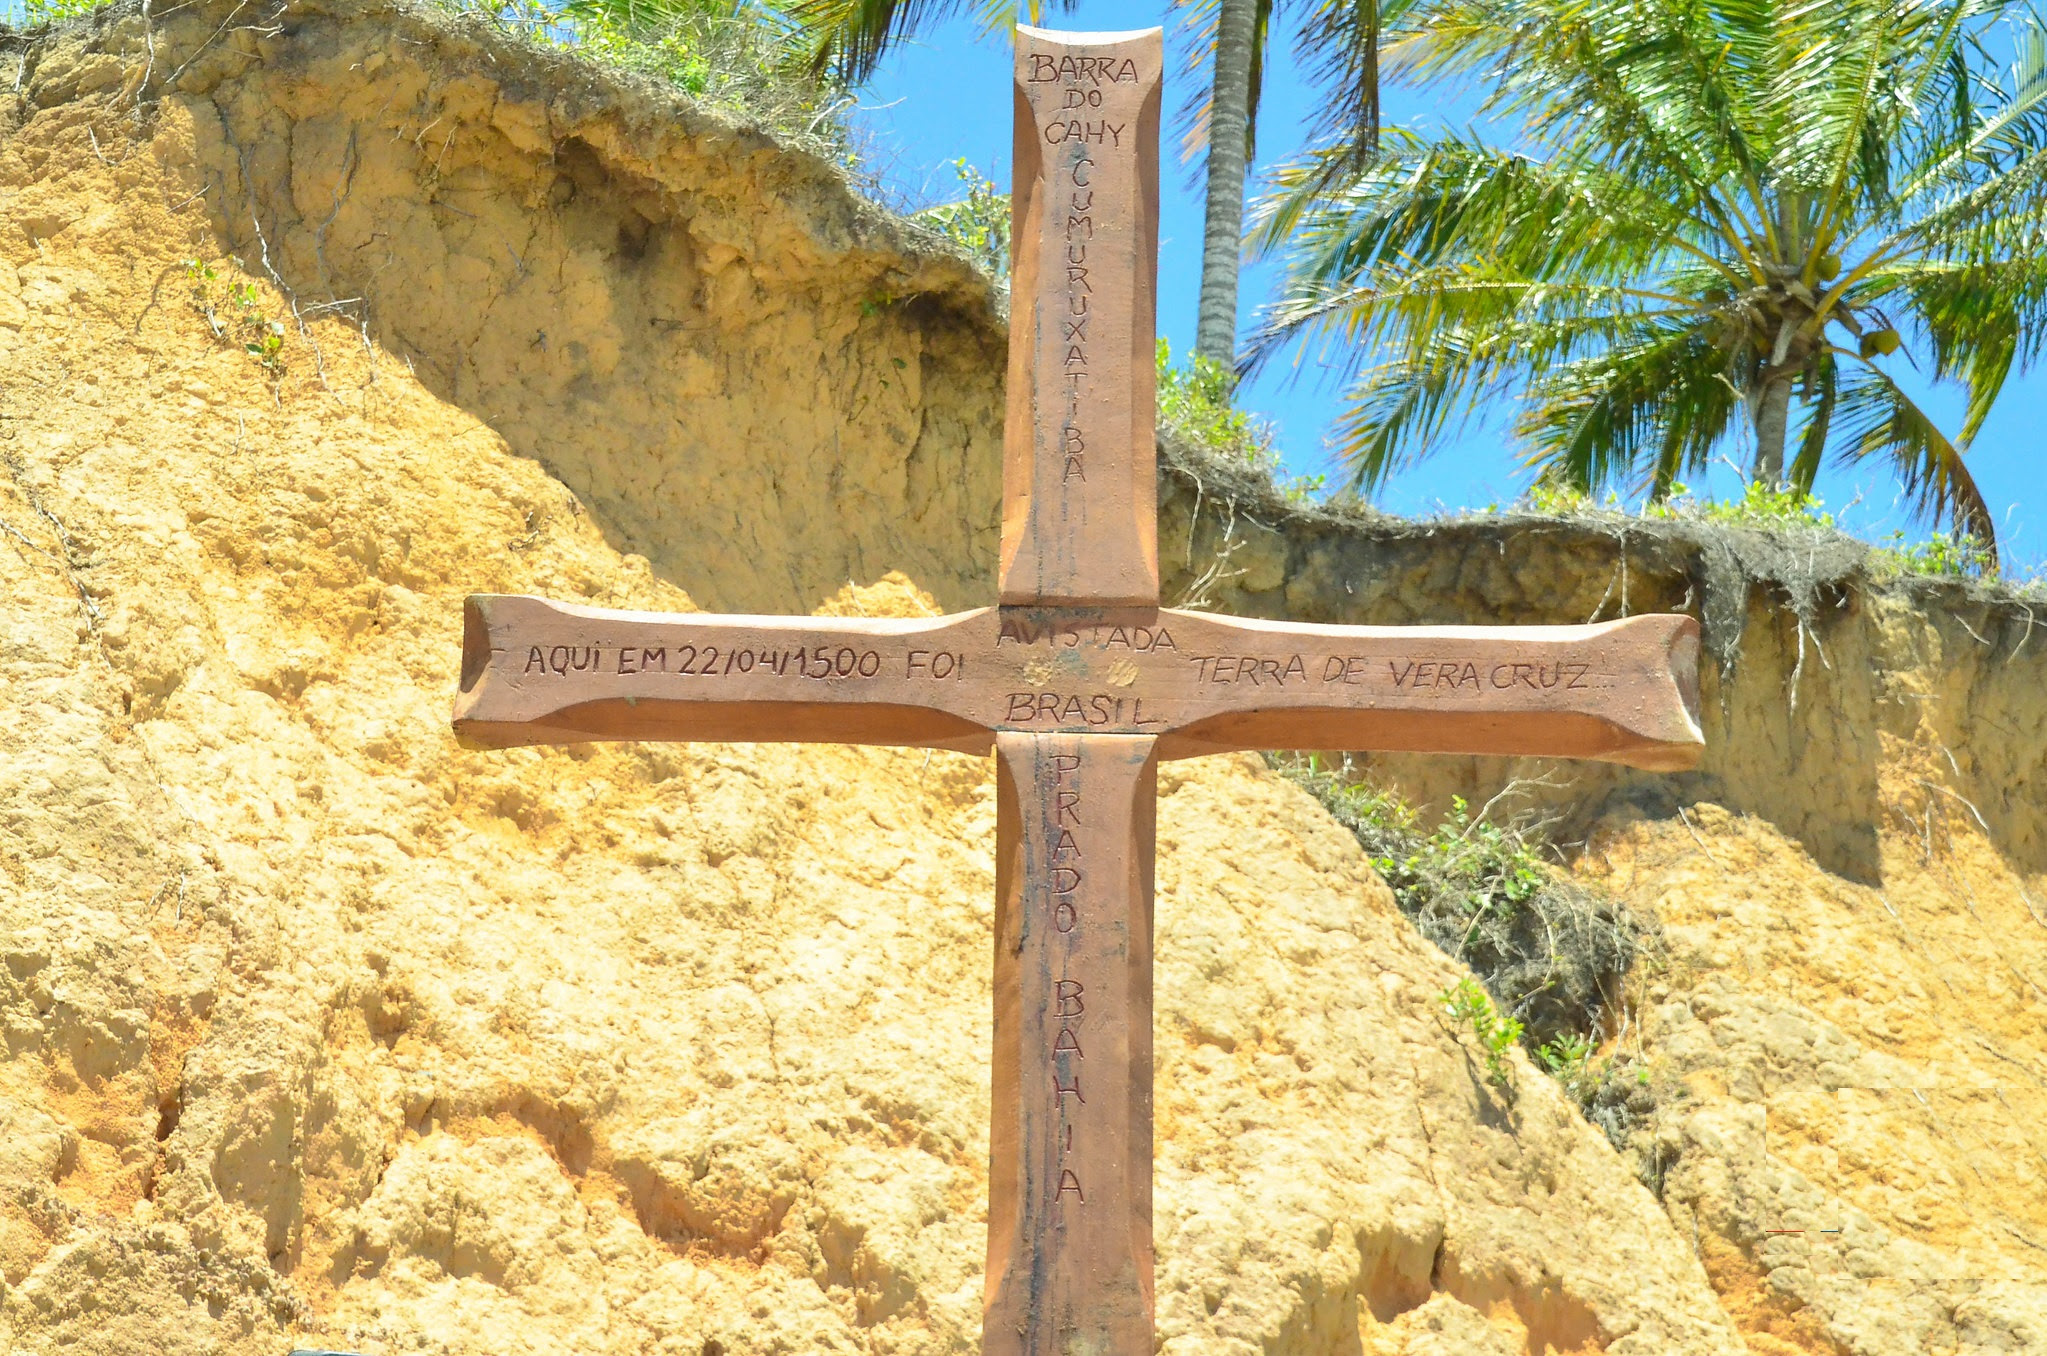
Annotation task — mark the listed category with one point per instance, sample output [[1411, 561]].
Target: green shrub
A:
[[977, 223], [1568, 1059], [1469, 1005], [1196, 403], [1549, 956], [234, 314], [35, 13], [1943, 555], [1551, 952], [748, 61], [1761, 506]]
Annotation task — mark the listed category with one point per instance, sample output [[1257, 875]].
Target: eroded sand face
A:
[[323, 1030]]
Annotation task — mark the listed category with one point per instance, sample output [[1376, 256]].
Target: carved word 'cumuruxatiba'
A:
[[1077, 183]]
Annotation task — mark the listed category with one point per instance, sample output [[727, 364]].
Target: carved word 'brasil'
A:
[[1101, 708]]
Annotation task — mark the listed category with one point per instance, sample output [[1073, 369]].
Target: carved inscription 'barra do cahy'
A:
[[1082, 684]]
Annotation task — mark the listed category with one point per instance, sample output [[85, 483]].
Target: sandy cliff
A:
[[323, 1031]]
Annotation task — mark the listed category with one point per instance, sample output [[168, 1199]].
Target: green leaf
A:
[[1699, 202]]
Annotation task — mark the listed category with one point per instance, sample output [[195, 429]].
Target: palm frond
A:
[[851, 36], [1981, 319], [1652, 90], [1812, 445], [1878, 419], [1424, 203], [1966, 133], [1659, 397], [1340, 44], [1397, 414]]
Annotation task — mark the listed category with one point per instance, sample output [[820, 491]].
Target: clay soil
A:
[[322, 1030]]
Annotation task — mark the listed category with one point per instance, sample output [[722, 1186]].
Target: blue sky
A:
[[945, 96]]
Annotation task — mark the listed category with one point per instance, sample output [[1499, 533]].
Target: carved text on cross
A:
[[1081, 684]]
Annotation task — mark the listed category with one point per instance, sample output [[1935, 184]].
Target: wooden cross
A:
[[1081, 682]]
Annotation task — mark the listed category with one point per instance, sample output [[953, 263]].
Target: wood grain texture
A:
[[1079, 496], [536, 671], [1070, 1151]]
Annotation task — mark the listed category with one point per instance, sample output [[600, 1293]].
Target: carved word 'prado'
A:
[[1069, 996]]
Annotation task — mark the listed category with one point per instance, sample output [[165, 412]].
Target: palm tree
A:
[[1237, 61], [1341, 36], [1723, 211], [852, 36]]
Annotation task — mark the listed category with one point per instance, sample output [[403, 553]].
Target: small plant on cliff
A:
[[1568, 1059], [1942, 554], [1550, 957], [977, 223], [1781, 508], [35, 13], [747, 60], [1195, 402], [1761, 504], [1469, 1005], [1490, 867], [233, 311]]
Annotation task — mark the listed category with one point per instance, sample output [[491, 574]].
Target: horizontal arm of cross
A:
[[536, 672]]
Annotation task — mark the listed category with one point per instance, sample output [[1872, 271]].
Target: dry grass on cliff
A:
[[1708, 561], [745, 63]]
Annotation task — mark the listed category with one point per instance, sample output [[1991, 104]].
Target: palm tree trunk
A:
[[1222, 238], [1773, 419]]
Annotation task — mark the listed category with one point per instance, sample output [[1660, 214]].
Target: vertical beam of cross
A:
[[1070, 1152], [1079, 465]]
